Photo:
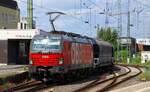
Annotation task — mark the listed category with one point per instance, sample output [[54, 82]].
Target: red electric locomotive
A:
[[59, 53]]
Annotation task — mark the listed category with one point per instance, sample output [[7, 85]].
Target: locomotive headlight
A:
[[31, 62], [61, 61]]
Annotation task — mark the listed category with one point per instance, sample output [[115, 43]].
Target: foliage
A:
[[147, 64], [124, 55], [109, 35], [135, 60], [145, 76], [7, 86]]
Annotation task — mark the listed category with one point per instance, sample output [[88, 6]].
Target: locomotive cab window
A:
[[46, 44]]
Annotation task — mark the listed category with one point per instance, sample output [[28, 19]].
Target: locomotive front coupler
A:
[[45, 76]]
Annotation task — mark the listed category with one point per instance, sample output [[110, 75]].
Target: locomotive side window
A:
[[46, 44]]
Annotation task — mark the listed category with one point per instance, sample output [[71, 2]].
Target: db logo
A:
[[44, 56]]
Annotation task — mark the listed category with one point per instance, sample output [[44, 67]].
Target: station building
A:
[[23, 23], [125, 41], [143, 46], [9, 14], [14, 45]]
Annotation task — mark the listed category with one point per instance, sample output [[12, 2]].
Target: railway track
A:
[[96, 86], [31, 86], [107, 84], [26, 85]]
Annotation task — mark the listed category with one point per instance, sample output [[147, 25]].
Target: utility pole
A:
[[138, 13], [81, 7], [30, 14], [119, 30], [106, 17], [128, 33], [90, 20]]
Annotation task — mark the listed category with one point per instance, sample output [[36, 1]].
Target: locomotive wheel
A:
[[69, 77], [83, 73], [78, 72]]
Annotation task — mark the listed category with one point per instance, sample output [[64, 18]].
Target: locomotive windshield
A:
[[46, 44]]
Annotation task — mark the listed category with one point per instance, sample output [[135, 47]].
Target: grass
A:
[[5, 77], [145, 76], [7, 86], [10, 73], [135, 61]]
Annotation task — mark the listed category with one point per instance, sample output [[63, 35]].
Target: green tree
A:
[[108, 35]]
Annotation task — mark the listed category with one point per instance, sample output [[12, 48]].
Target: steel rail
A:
[[32, 85], [25, 85], [98, 82], [122, 80]]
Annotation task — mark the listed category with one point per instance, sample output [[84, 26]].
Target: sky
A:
[[78, 11]]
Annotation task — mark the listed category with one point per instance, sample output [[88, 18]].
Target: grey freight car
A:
[[104, 53]]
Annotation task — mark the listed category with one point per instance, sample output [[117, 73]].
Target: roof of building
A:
[[127, 37], [9, 4]]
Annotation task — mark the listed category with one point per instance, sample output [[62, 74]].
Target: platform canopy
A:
[[143, 41], [6, 34]]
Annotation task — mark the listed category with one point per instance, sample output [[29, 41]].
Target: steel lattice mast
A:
[[30, 14], [128, 33], [119, 29]]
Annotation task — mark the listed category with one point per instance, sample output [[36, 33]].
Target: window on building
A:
[[25, 26], [21, 25], [6, 18], [0, 16], [3, 16]]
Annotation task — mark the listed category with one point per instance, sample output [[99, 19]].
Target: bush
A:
[[136, 60], [147, 64], [124, 55]]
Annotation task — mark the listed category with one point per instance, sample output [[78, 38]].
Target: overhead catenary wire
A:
[[45, 8], [68, 14], [106, 16], [95, 4], [148, 6]]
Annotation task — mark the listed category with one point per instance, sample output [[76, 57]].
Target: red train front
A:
[[55, 54], [46, 50]]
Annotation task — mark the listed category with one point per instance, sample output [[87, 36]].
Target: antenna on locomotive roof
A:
[[53, 16]]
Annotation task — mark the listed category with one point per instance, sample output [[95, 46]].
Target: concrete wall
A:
[[145, 56], [3, 52], [9, 18]]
